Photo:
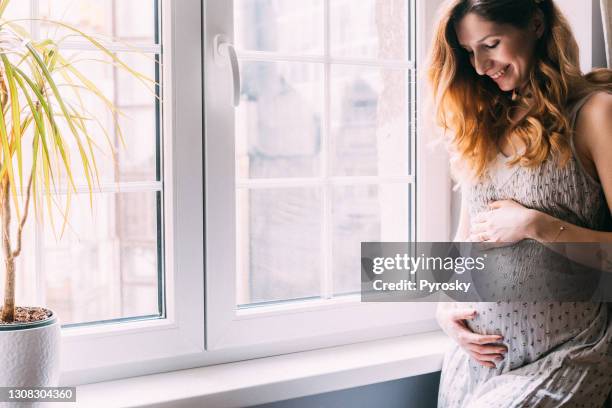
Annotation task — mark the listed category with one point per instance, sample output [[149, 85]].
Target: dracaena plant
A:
[[41, 113]]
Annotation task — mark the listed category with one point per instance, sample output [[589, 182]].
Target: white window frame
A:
[[197, 163], [338, 320], [122, 349]]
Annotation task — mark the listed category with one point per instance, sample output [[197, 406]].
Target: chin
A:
[[507, 86]]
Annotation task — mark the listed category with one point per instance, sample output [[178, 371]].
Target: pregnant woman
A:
[[531, 142]]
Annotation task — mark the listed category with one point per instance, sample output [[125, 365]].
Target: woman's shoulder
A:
[[593, 129], [598, 105], [592, 93], [595, 115]]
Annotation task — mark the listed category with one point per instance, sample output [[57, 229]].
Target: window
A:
[[108, 266], [319, 155], [125, 289], [256, 212]]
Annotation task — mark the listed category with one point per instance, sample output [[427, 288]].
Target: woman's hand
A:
[[478, 346], [506, 222]]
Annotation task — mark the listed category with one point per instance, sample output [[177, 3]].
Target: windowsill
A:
[[277, 378]]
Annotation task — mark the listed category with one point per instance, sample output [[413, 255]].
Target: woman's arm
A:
[[451, 317], [594, 146], [510, 222]]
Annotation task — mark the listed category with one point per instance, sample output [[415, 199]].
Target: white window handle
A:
[[224, 49]]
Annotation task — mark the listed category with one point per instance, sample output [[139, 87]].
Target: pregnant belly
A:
[[530, 329]]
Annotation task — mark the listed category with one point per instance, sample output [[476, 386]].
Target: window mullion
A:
[[326, 278], [34, 13], [268, 56]]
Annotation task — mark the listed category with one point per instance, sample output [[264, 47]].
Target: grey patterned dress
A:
[[559, 354]]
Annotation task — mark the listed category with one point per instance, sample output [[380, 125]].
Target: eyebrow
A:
[[482, 39]]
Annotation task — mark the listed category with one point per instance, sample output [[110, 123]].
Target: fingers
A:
[[488, 356], [480, 347], [474, 338], [484, 361], [488, 349], [486, 364], [492, 358], [463, 314]]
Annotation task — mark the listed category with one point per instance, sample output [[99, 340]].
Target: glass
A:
[[369, 29], [105, 266], [279, 25], [132, 21], [137, 160], [278, 122], [137, 117], [364, 213], [18, 10], [279, 248], [370, 121]]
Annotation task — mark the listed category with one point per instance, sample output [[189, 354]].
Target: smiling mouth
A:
[[499, 73]]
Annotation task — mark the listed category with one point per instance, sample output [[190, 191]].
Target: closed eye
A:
[[493, 45]]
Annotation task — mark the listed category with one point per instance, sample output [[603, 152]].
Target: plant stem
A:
[[8, 309], [17, 250]]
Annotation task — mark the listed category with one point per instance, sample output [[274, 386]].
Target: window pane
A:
[[365, 213], [132, 21], [104, 267], [289, 111], [136, 160], [279, 25], [369, 28], [107, 264], [279, 244], [369, 121], [16, 10], [278, 122]]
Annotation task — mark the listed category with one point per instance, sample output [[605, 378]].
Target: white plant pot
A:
[[30, 354]]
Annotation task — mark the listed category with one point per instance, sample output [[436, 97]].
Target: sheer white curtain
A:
[[606, 15]]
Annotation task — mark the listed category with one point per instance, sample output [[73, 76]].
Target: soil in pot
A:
[[29, 315]]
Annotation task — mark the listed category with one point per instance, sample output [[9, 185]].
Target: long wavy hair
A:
[[475, 113]]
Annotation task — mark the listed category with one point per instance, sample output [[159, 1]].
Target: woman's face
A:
[[500, 51]]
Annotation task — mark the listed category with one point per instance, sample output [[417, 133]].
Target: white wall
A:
[[580, 15]]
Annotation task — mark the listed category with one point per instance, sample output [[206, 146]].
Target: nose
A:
[[481, 63]]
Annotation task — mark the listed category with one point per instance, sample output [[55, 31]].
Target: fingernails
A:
[[499, 358]]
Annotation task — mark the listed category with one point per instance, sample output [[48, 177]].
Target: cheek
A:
[[520, 57]]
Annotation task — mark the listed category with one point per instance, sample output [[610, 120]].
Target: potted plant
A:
[[37, 119]]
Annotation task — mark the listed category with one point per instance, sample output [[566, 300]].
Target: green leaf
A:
[[7, 162], [38, 118], [60, 101]]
